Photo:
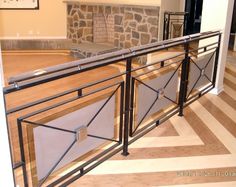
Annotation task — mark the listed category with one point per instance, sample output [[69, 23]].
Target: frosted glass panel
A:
[[146, 96], [50, 144], [195, 73]]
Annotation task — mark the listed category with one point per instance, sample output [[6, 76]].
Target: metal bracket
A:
[[81, 134], [16, 85], [80, 93], [162, 63], [39, 72], [161, 93], [202, 72]]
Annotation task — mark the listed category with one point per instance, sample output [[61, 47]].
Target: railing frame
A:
[[168, 17], [127, 91]]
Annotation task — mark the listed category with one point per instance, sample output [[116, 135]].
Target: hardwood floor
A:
[[198, 149]]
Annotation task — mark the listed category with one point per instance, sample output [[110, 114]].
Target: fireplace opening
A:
[[102, 38], [97, 29], [103, 28]]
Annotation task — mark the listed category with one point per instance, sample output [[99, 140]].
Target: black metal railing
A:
[[175, 24], [141, 97]]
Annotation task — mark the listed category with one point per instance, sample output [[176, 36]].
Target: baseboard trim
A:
[[37, 52], [217, 91], [36, 44]]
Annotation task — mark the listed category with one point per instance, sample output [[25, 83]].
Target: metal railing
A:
[[145, 96], [175, 22]]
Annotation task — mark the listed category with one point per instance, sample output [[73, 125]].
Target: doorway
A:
[[194, 8]]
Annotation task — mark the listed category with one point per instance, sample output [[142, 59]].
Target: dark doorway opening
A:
[[233, 25], [194, 8], [232, 38]]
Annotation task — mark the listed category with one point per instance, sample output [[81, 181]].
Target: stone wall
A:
[[137, 26], [133, 25]]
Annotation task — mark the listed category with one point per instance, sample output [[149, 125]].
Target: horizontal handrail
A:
[[176, 13], [67, 69]]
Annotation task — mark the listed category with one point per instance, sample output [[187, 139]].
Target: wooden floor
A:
[[198, 149]]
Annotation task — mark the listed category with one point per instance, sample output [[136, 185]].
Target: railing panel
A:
[[24, 101], [62, 137], [201, 72], [155, 94]]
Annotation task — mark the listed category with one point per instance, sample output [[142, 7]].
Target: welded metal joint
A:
[[16, 85], [161, 93], [38, 72], [202, 72]]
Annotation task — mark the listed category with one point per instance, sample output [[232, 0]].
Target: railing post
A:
[[184, 79], [168, 28], [164, 27], [162, 63], [131, 108], [127, 106], [22, 152], [216, 61], [186, 19], [122, 90]]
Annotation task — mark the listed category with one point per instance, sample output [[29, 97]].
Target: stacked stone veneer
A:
[[133, 25]]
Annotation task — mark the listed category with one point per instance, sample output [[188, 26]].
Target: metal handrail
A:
[[77, 66]]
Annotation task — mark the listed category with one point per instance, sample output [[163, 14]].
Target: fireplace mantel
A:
[[110, 4]]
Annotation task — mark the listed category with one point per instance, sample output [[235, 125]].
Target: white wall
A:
[[182, 5], [217, 14], [47, 22], [6, 174]]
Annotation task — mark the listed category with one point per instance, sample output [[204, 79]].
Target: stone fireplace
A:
[[121, 26]]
